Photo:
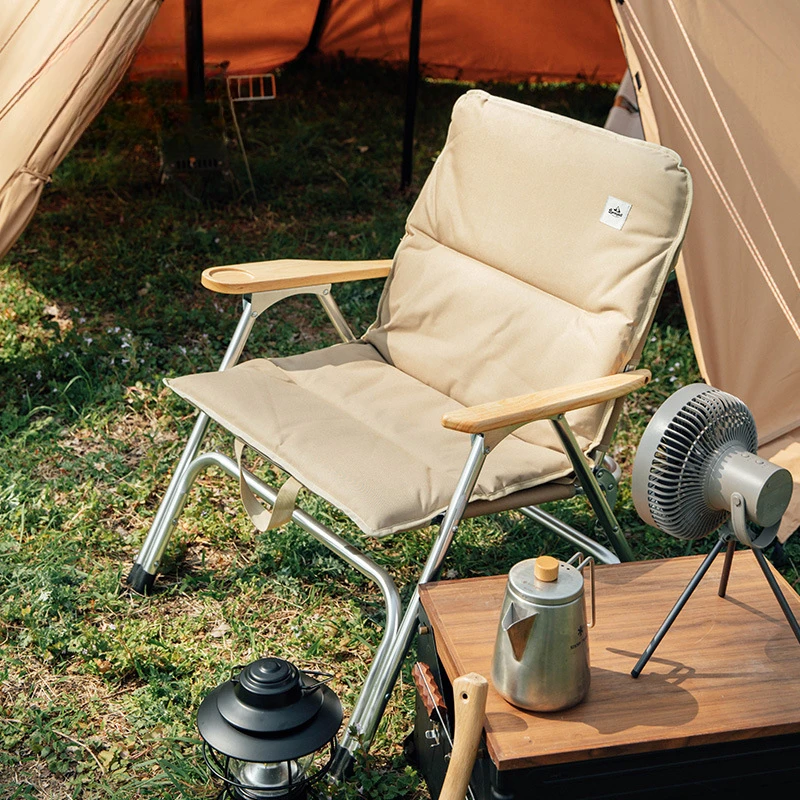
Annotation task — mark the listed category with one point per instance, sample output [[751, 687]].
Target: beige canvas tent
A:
[[717, 82], [59, 62]]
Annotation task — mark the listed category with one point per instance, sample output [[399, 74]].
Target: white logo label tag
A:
[[615, 213]]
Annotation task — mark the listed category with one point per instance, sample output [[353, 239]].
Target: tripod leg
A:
[[776, 590], [726, 568], [676, 609]]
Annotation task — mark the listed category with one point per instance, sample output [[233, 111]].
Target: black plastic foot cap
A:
[[140, 580]]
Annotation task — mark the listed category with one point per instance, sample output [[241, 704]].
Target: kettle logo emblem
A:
[[581, 637]]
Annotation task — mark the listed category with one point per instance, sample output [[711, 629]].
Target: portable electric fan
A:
[[696, 471]]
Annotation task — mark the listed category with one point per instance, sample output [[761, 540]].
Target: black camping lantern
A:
[[265, 731]]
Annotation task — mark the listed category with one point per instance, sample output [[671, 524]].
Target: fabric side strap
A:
[[262, 517]]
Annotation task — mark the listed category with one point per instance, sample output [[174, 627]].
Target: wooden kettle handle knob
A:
[[469, 699]]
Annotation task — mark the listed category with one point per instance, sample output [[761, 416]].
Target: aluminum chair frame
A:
[[400, 625]]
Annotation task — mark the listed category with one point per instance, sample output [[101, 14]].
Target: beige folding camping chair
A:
[[510, 325]]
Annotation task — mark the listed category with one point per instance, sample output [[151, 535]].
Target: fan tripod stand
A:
[[729, 538]]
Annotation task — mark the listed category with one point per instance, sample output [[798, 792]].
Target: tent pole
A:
[[320, 21], [193, 32], [411, 94]]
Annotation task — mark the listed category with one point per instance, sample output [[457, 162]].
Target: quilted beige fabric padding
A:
[[506, 282], [361, 434]]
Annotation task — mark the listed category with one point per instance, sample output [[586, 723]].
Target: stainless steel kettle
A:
[[541, 656]]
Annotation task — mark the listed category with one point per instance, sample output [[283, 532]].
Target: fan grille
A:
[[708, 424]]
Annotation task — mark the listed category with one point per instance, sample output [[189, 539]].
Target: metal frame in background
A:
[[195, 74]]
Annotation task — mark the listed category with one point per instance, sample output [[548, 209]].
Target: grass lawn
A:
[[99, 301]]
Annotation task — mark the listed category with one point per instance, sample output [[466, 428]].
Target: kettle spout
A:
[[518, 629]]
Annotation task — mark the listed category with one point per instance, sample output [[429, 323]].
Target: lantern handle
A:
[[322, 679]]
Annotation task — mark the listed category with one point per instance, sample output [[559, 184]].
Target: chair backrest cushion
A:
[[534, 257]]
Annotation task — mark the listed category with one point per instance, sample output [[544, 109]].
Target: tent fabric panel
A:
[[18, 201], [785, 452], [255, 36], [57, 70], [518, 40], [480, 40], [743, 314], [624, 115]]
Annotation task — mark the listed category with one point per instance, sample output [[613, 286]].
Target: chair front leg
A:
[[145, 568], [143, 573], [386, 667]]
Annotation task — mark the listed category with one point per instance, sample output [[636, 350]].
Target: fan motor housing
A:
[[765, 487]]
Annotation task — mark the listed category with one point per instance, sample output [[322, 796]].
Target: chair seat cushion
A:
[[363, 435]]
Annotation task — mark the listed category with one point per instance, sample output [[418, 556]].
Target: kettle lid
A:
[[545, 580]]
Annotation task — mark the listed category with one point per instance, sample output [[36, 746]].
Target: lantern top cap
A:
[[269, 711], [269, 679]]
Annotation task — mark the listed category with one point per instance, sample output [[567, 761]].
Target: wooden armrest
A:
[[516, 411], [266, 276]]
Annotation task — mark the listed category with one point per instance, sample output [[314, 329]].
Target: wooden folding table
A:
[[717, 707]]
